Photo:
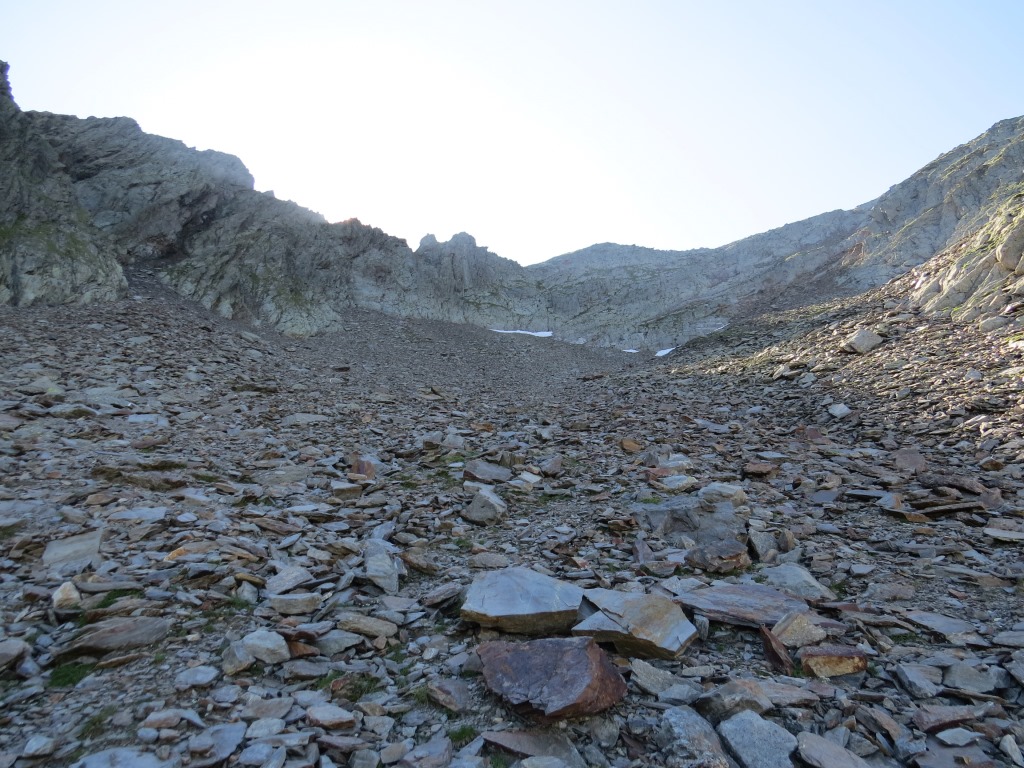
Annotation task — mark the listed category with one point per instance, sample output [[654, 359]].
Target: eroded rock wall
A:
[[49, 250]]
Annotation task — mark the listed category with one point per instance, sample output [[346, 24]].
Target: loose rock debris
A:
[[220, 546]]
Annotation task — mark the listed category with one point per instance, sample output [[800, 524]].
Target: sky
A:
[[540, 127]]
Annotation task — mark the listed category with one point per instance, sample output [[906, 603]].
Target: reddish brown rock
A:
[[555, 677], [628, 445], [721, 557], [832, 660]]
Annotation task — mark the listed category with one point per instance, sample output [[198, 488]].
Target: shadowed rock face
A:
[[81, 194], [49, 252]]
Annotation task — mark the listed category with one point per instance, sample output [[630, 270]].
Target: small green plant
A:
[[69, 675], [420, 694], [326, 680], [463, 544], [650, 500], [93, 727], [159, 657], [500, 761], [902, 638], [239, 605], [359, 685], [462, 735]]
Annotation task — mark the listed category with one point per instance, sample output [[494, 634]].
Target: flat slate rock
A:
[[756, 742], [554, 677], [485, 472], [124, 757], [745, 605], [638, 624], [692, 739], [822, 753], [117, 634], [73, 553], [523, 601], [537, 744], [956, 631]]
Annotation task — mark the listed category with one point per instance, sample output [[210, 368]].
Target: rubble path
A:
[[218, 544]]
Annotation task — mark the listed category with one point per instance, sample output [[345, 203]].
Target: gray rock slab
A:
[[537, 744], [749, 605], [862, 341], [196, 677], [797, 581], [689, 737], [756, 742], [380, 565], [125, 757], [118, 633], [287, 578], [74, 553], [225, 738], [822, 753], [267, 646], [486, 507], [523, 601], [485, 472], [956, 631]]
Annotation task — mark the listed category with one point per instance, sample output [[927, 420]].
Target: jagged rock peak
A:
[[6, 95], [460, 243]]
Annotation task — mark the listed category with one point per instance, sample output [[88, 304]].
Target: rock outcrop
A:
[[81, 192], [49, 251]]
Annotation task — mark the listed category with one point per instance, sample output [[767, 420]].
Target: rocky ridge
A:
[[48, 250], [792, 544], [120, 195]]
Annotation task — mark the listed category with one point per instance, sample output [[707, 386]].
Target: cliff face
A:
[[49, 250], [81, 194]]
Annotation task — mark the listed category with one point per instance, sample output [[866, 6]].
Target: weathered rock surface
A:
[[159, 426], [249, 256], [49, 251], [638, 625], [523, 601], [563, 677]]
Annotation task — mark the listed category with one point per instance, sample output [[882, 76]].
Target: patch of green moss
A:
[[69, 675], [462, 735], [94, 726]]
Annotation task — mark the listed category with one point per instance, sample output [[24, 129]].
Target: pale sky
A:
[[540, 127]]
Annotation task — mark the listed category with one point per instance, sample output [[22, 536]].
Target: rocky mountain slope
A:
[[48, 249], [86, 195], [357, 549]]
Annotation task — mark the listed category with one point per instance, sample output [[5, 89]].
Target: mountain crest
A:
[[84, 196]]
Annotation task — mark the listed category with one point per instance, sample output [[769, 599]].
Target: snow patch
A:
[[540, 334], [663, 352], [631, 351]]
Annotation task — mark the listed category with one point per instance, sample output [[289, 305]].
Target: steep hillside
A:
[[49, 252], [195, 217]]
